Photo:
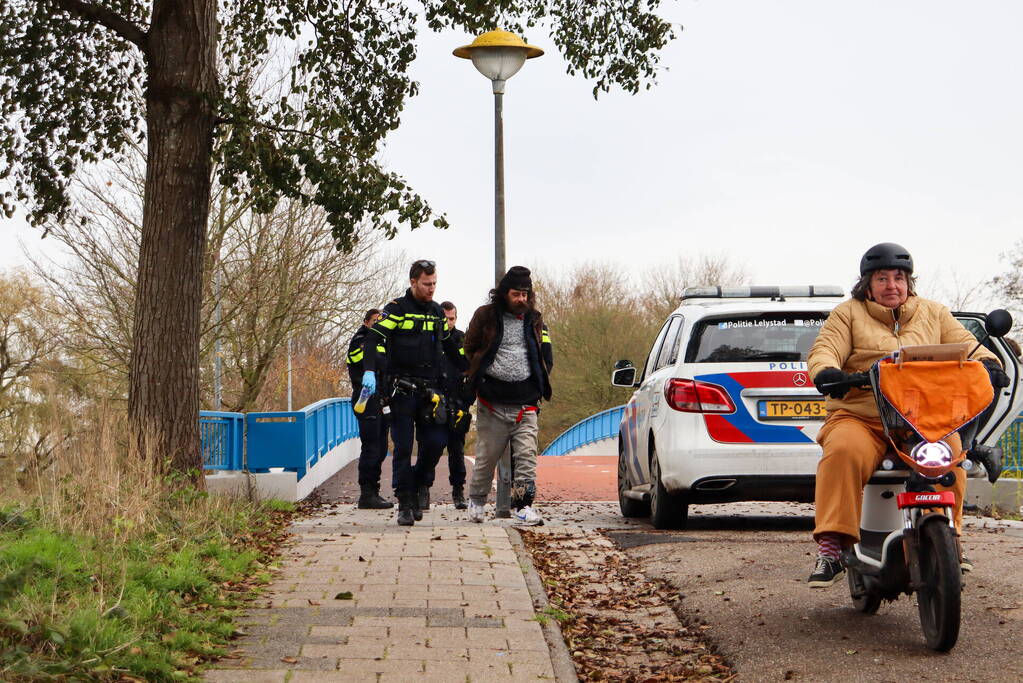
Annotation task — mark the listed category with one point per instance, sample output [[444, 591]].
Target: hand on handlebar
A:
[[999, 380], [834, 383]]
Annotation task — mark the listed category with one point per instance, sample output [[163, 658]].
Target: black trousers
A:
[[406, 427], [456, 460], [373, 435]]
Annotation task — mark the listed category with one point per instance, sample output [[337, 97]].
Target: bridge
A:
[[288, 454]]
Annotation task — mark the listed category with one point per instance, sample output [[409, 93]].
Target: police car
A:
[[724, 410]]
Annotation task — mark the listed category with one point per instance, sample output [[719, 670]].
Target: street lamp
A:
[[498, 55]]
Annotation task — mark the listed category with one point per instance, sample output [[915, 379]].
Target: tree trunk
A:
[[181, 89]]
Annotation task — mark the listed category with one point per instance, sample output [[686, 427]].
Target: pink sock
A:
[[829, 545]]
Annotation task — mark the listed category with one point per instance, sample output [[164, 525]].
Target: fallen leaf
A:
[[344, 595], [289, 660]]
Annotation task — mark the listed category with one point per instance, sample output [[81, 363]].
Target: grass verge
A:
[[126, 600]]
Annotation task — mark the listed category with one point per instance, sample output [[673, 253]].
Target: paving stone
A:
[[423, 653], [246, 675], [338, 652]]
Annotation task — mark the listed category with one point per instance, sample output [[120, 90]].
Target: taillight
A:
[[690, 396]]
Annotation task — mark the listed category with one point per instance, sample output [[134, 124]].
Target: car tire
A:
[[630, 507], [667, 510]]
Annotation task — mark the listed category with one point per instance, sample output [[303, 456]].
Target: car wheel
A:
[[667, 510], [630, 507]]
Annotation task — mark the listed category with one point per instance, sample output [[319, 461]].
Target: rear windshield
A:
[[754, 338]]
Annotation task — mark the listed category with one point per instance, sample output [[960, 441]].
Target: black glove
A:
[[829, 376], [999, 380]]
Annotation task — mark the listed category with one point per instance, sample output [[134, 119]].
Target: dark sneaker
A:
[[424, 498], [826, 572], [458, 498]]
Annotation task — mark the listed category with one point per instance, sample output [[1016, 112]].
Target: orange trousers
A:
[[853, 450]]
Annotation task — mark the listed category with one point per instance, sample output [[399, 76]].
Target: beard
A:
[[517, 308]]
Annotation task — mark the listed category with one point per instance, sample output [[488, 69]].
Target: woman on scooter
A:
[[882, 315]]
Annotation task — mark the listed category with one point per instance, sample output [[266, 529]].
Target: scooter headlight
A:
[[937, 454]]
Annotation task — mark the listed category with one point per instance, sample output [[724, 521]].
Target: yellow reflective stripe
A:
[[546, 338], [381, 349], [355, 356], [428, 326], [389, 323], [461, 351], [407, 325]]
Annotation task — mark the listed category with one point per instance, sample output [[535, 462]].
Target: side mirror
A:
[[998, 323], [624, 377]]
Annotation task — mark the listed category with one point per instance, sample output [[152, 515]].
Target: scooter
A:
[[908, 540]]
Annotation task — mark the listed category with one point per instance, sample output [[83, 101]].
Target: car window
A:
[[756, 337], [669, 345], [655, 350]]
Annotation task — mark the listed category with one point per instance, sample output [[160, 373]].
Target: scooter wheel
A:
[[940, 599], [868, 603]]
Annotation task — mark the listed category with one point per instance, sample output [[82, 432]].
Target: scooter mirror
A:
[[998, 323]]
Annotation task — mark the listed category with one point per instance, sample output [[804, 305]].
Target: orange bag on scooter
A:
[[936, 397]]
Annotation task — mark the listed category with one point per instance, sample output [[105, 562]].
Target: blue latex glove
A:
[[369, 381]]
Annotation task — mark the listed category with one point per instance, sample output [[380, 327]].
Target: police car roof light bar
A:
[[761, 292]]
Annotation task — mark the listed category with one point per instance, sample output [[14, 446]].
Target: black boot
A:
[[458, 496], [422, 501], [406, 517], [370, 499], [413, 500]]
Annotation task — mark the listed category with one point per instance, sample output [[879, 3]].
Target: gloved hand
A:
[[827, 376], [369, 381], [999, 380]]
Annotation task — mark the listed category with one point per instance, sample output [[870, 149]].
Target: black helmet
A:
[[886, 255]]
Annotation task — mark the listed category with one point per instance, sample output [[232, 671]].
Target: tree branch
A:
[[105, 17]]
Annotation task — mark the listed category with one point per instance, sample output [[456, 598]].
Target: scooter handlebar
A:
[[855, 380]]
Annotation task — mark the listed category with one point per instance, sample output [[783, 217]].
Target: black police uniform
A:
[[416, 340], [459, 399], [373, 423]]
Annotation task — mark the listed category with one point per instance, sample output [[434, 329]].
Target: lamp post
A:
[[499, 55]]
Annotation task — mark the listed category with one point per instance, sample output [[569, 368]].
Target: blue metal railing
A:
[[597, 427], [1012, 448], [223, 437], [297, 440]]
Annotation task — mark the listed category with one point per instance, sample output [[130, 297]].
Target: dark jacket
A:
[[415, 337], [483, 338], [355, 365], [454, 387]]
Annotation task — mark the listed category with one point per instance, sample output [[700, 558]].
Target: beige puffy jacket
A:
[[858, 333]]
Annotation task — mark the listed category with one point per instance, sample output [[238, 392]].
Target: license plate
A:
[[804, 409]]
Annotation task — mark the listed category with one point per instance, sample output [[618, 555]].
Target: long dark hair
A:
[[861, 288], [499, 297]]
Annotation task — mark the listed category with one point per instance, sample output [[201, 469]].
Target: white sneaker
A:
[[475, 511], [528, 516]]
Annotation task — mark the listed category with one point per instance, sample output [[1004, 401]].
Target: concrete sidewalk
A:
[[359, 598]]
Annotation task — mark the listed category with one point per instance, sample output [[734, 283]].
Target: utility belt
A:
[[433, 409]]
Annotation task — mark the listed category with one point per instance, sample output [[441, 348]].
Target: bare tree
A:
[[279, 274], [662, 285]]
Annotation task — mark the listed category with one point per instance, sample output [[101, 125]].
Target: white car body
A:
[[740, 454]]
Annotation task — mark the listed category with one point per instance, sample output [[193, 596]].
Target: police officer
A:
[[373, 422], [413, 332], [459, 399]]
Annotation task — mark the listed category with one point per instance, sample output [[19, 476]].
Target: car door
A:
[[652, 392], [642, 403], [1009, 401]]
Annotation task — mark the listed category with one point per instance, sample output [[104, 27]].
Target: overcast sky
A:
[[789, 135]]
